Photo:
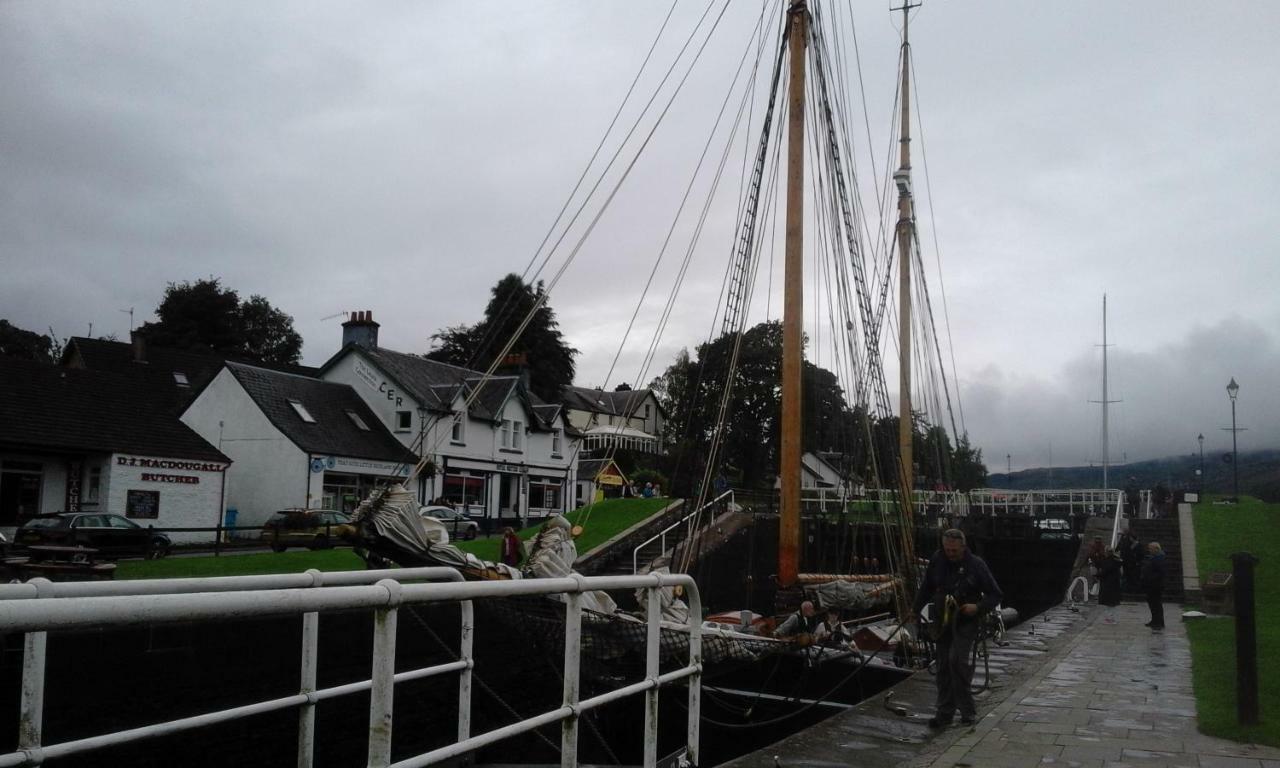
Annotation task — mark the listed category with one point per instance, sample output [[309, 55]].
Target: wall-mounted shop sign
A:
[[148, 477], [190, 466]]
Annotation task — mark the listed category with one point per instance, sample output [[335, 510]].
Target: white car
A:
[[458, 525]]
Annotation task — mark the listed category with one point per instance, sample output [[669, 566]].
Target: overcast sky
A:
[[400, 157]]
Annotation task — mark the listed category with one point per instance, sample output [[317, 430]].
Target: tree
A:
[[204, 316], [549, 359], [28, 345], [690, 391]]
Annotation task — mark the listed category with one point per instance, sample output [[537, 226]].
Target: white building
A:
[[296, 441], [506, 457], [95, 441], [629, 419]]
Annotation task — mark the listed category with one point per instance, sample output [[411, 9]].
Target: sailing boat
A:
[[388, 523]]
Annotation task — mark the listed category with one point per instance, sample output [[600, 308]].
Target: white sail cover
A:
[[673, 608], [552, 554]]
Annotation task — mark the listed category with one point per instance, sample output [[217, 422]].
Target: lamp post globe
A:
[[1233, 389]]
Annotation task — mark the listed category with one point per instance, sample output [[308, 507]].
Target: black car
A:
[[112, 535]]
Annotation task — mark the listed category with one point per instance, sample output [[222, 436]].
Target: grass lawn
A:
[[1251, 526], [601, 521]]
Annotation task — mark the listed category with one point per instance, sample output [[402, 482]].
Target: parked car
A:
[[310, 528], [112, 535], [459, 525]]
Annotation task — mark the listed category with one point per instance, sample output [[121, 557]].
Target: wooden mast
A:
[[906, 235], [793, 306]]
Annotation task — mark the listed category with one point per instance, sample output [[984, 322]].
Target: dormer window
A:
[[359, 422], [180, 379], [557, 438], [458, 433], [302, 412]]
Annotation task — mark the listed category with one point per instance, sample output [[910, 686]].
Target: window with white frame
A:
[[355, 419], [557, 438], [302, 412], [458, 434], [404, 421], [511, 435], [646, 411]]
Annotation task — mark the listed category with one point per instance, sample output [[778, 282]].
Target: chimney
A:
[[139, 346], [516, 364], [361, 330]]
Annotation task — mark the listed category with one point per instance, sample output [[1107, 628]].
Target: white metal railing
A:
[[941, 502], [1041, 503], [661, 536], [39, 606]]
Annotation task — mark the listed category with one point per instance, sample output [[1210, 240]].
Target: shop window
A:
[[20, 483], [404, 421], [458, 434], [544, 494], [465, 491], [302, 411], [359, 422]]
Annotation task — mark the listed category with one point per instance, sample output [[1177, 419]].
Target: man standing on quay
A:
[[962, 590]]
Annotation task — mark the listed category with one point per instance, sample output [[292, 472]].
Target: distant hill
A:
[[1259, 475]]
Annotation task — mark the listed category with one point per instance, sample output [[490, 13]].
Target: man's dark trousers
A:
[[1155, 602], [955, 670]]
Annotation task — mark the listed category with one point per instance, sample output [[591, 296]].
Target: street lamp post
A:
[[1200, 438], [1233, 389]]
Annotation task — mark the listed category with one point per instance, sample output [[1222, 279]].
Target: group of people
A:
[[648, 491], [1133, 564]]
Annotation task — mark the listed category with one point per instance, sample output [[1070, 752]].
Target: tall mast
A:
[[1106, 402], [906, 235], [1106, 456], [793, 302]]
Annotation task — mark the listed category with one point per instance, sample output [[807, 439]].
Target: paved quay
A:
[[1068, 689]]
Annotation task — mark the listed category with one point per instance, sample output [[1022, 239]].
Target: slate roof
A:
[[334, 432], [160, 366], [436, 385], [627, 402], [48, 407]]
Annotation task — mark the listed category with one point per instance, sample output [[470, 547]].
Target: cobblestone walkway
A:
[[1119, 695]]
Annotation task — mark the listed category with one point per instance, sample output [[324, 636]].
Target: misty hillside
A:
[[1259, 475]]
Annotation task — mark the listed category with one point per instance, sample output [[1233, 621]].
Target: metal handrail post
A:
[[382, 693], [695, 680], [653, 637], [572, 654], [307, 713], [31, 710], [466, 653]]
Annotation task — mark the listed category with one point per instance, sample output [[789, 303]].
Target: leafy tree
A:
[[28, 345], [204, 316], [549, 358], [690, 391]]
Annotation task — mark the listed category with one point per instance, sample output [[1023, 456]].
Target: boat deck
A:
[[1068, 689]]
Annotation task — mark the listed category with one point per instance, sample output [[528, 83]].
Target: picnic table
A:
[[60, 563]]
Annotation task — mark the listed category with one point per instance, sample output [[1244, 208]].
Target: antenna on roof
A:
[[130, 313], [330, 317]]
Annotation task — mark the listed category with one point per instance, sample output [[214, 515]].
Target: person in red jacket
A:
[[511, 554]]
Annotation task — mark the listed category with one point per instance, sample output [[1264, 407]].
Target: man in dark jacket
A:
[[962, 590], [1153, 584]]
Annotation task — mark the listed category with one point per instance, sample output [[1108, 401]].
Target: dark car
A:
[[458, 525], [310, 528], [112, 535]]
